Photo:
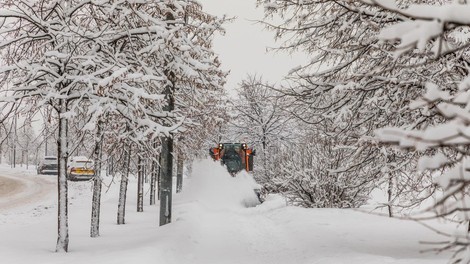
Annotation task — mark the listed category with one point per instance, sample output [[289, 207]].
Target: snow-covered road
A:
[[9, 186], [20, 188]]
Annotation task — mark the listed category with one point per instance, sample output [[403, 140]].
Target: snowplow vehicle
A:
[[235, 156]]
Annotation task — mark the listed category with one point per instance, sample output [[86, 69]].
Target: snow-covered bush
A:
[[307, 175]]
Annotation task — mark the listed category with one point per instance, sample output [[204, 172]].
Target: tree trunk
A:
[[166, 164], [159, 176], [179, 172], [15, 141], [166, 172], [27, 158], [110, 166], [140, 184], [153, 181], [145, 170], [265, 164], [97, 184], [62, 150], [390, 192], [123, 188]]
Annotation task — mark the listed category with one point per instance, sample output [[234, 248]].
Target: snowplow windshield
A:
[[237, 147], [232, 157]]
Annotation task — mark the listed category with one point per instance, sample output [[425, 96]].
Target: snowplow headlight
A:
[[221, 146], [244, 146]]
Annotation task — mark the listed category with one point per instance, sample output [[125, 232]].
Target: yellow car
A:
[[80, 168]]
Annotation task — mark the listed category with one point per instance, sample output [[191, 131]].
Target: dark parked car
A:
[[48, 165]]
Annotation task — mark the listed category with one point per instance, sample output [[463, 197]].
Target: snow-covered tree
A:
[[352, 85], [19, 141], [40, 48], [104, 57], [438, 33], [97, 180], [259, 117]]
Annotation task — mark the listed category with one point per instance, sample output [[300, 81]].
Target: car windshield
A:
[[83, 163]]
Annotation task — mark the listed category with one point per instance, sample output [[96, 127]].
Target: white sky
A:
[[243, 48]]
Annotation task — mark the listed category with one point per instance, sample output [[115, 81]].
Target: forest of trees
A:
[[135, 85]]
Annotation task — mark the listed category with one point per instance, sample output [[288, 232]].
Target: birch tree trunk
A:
[[390, 193], [153, 181], [159, 177], [62, 150], [140, 184], [123, 188], [97, 184]]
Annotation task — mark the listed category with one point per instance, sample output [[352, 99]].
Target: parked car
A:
[[80, 168], [48, 165]]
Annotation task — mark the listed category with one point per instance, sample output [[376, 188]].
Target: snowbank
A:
[[211, 225]]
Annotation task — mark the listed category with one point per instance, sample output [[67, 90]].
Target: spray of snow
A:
[[213, 187]]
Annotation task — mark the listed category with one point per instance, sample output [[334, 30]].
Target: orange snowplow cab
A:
[[235, 156]]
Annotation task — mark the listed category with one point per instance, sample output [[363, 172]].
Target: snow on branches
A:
[[117, 56], [114, 62], [437, 29]]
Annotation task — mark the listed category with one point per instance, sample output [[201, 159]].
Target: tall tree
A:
[[44, 49], [97, 181], [121, 214], [179, 170], [154, 178], [140, 182], [85, 55], [259, 116], [352, 85], [438, 33]]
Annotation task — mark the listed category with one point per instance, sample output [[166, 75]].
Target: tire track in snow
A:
[[9, 187], [17, 190]]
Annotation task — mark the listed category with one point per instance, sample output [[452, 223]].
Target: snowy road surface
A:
[[9, 186], [210, 225], [18, 188]]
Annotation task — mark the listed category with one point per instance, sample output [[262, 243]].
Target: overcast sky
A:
[[243, 48]]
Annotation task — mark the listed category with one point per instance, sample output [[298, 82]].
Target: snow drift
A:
[[213, 187], [210, 225]]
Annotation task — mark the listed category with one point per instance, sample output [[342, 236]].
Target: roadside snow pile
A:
[[210, 225], [213, 187]]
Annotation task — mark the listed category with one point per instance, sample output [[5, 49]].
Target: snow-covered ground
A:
[[211, 224]]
